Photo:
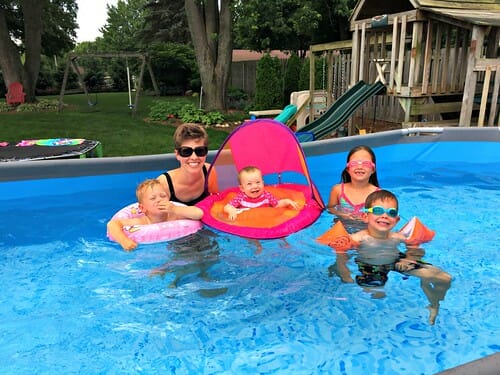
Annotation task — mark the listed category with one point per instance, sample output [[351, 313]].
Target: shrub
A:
[[161, 110], [40, 106], [191, 113], [237, 98], [212, 118], [268, 85], [4, 107], [72, 82], [292, 75], [319, 74]]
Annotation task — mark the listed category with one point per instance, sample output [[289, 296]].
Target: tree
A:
[[166, 22], [276, 24], [291, 25], [124, 26], [334, 24], [121, 33], [175, 68], [23, 25], [210, 25]]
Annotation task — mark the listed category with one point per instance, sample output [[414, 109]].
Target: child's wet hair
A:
[[143, 186], [346, 177], [380, 195]]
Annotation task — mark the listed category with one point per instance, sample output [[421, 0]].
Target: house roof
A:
[[247, 55]]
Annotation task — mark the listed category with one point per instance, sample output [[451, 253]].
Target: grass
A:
[[110, 121]]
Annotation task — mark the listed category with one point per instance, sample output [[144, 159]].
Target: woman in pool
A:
[[186, 184], [347, 199]]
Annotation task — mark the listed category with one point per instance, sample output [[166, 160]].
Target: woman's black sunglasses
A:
[[188, 151]]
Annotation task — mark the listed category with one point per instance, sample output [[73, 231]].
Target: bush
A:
[[41, 106], [4, 107], [292, 75], [319, 74], [237, 98], [72, 82], [268, 85], [212, 118], [161, 110], [3, 87], [191, 113]]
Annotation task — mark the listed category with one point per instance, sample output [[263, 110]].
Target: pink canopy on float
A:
[[274, 149]]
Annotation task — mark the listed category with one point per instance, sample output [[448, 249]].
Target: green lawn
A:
[[110, 121]]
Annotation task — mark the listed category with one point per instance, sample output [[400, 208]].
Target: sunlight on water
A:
[[73, 302]]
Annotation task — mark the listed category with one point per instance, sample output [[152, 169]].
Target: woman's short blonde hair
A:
[[189, 132]]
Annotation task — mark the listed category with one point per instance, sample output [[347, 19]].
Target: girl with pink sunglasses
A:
[[347, 199]]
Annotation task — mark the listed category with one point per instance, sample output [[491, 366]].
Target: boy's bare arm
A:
[[115, 230]]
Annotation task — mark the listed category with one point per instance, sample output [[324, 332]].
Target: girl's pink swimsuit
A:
[[346, 205]]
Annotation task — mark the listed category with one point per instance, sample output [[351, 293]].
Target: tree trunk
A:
[[210, 29], [10, 58], [32, 11], [12, 69]]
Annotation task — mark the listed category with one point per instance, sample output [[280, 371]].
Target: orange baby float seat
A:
[[274, 149]]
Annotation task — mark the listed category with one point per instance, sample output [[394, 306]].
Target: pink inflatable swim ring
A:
[[159, 232]]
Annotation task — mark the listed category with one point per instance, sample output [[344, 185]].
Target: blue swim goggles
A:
[[378, 210]]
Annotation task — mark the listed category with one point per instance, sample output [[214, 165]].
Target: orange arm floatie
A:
[[416, 232], [338, 238]]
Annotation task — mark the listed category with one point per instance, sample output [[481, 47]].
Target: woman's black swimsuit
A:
[[191, 202]]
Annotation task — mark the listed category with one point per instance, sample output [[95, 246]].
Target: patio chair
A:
[[15, 95]]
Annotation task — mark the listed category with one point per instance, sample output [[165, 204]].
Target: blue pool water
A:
[[73, 302]]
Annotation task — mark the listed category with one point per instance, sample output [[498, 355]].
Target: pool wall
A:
[[66, 176], [431, 144]]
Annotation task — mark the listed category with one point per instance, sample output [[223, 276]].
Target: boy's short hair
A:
[[189, 132], [248, 169], [381, 195], [143, 186]]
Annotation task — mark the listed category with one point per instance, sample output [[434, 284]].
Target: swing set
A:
[[145, 62]]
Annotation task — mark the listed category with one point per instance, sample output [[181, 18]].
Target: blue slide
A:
[[286, 113], [340, 111]]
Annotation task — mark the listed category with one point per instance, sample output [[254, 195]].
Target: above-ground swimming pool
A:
[[74, 302]]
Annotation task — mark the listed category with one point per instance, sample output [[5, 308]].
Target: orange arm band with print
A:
[[416, 232], [337, 238]]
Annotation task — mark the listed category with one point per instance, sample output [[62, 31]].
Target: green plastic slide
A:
[[340, 111]]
